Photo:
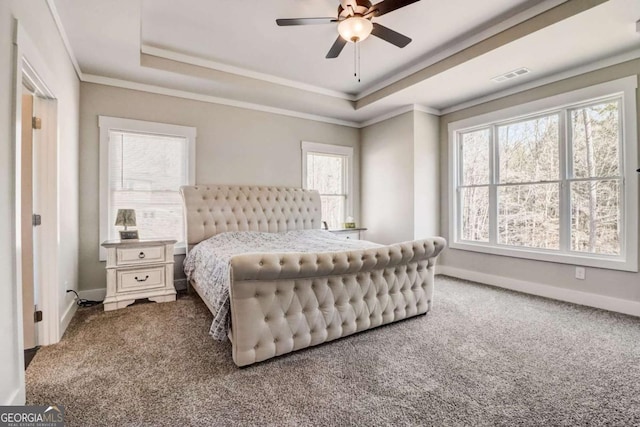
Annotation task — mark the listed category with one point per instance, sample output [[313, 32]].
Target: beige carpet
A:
[[484, 356]]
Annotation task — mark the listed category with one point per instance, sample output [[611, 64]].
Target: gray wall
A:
[[36, 20], [400, 178], [234, 146], [387, 179], [611, 283], [426, 175]]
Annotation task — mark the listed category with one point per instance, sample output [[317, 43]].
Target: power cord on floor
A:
[[84, 302]]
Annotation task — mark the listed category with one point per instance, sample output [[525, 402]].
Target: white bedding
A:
[[209, 263]]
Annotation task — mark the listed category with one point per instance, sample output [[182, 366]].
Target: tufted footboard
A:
[[285, 302]]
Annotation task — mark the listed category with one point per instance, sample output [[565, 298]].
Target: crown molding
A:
[[63, 34], [446, 51], [516, 32], [573, 72], [603, 63], [493, 27], [239, 71], [399, 111], [159, 90], [386, 116], [489, 29], [125, 84], [425, 109]]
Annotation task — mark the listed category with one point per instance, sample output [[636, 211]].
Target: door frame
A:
[[27, 230], [30, 66]]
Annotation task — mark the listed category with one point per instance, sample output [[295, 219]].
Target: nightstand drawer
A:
[[144, 278], [139, 269], [141, 255], [348, 235]]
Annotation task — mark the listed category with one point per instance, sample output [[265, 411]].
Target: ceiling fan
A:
[[355, 23]]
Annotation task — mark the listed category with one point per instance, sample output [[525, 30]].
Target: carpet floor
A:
[[483, 356]]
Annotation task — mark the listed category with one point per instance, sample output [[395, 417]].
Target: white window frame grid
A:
[[625, 90], [108, 124], [347, 173]]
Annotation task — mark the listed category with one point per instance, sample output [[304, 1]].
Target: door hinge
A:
[[36, 220], [36, 123], [37, 316]]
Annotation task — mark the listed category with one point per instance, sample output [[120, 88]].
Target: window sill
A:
[[602, 261]]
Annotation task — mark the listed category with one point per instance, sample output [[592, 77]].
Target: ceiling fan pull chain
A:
[[356, 60], [359, 62]]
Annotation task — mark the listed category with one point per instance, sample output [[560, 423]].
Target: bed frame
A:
[[283, 302]]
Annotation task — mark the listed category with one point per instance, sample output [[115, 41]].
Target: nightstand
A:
[[139, 269], [349, 233]]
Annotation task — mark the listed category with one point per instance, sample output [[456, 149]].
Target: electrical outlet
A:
[[581, 273]]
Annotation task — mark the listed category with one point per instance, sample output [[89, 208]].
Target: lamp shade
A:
[[126, 217], [355, 29]]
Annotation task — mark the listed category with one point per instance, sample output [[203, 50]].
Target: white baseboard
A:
[[100, 293], [93, 294], [547, 291], [66, 317]]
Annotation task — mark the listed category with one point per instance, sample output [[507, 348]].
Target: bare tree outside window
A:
[[327, 174], [476, 177], [595, 195], [528, 208], [551, 182], [529, 215], [475, 214]]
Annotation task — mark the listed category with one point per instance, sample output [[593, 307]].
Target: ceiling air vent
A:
[[511, 75]]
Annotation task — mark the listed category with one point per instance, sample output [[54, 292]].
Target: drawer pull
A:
[[142, 280], [141, 255]]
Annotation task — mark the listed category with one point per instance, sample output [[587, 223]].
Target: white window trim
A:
[[107, 124], [338, 150], [628, 260]]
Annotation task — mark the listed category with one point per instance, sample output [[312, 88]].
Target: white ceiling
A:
[[245, 34], [241, 37], [601, 32]]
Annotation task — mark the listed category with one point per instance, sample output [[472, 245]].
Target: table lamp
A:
[[127, 218]]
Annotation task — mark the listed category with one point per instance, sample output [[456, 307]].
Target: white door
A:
[[32, 174], [27, 232]]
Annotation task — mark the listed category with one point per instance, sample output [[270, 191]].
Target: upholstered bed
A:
[[284, 301]]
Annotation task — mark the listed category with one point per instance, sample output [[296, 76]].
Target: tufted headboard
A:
[[213, 209]]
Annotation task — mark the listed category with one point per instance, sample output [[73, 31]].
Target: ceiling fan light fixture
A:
[[355, 29]]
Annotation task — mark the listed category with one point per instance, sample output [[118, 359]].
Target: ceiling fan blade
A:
[[387, 6], [349, 5], [305, 21], [337, 47], [390, 36]]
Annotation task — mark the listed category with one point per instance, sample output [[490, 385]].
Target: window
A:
[[143, 165], [551, 180], [327, 168]]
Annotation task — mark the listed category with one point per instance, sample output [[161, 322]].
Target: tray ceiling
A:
[[234, 50]]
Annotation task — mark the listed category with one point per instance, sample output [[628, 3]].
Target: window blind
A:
[[145, 174], [326, 173]]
